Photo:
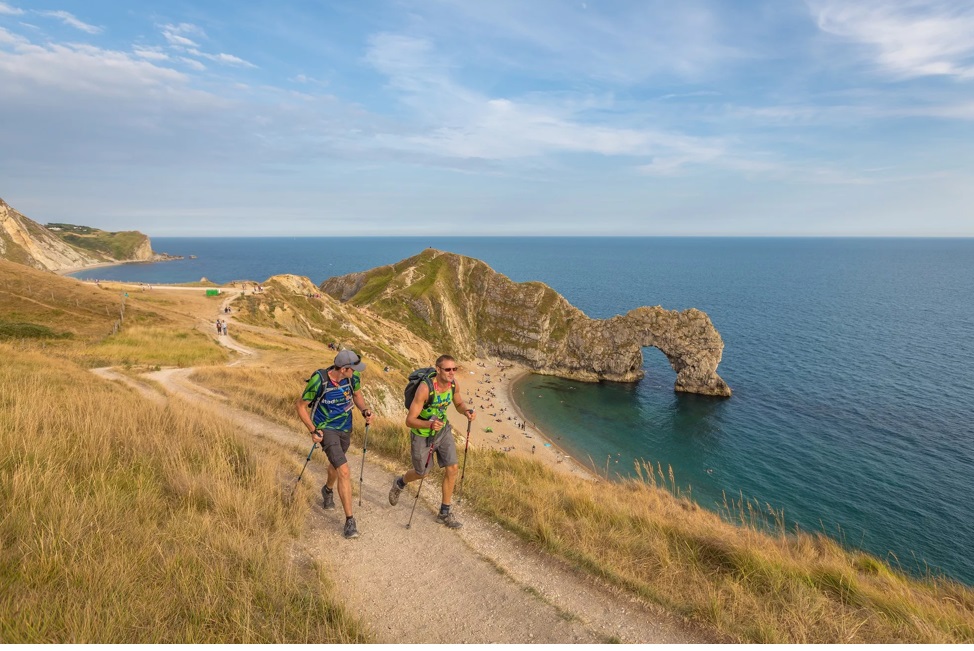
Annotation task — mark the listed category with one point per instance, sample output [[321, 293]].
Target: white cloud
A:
[[193, 63], [227, 59], [69, 19], [9, 38], [7, 10], [463, 123], [910, 38], [74, 68], [621, 42], [150, 53], [178, 35]]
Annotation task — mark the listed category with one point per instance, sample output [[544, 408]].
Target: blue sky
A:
[[500, 117]]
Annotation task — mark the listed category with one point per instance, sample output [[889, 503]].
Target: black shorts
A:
[[335, 444]]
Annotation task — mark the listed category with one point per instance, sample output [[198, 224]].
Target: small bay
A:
[[851, 361]]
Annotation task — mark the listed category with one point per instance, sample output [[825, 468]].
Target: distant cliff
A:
[[64, 246], [463, 306]]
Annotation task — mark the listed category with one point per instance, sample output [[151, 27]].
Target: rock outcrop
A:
[[65, 246], [27, 242], [463, 306]]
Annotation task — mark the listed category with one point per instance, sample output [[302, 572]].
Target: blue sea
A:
[[851, 362]]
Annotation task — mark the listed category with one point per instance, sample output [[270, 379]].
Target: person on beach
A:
[[430, 428], [325, 408]]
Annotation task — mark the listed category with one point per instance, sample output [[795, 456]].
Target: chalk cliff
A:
[[463, 306], [65, 246], [27, 242]]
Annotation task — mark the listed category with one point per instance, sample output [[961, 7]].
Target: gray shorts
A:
[[335, 444], [442, 441]]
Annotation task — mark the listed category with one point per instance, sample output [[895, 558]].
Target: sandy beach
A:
[[99, 265], [487, 385]]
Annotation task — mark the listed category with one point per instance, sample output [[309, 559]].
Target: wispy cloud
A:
[[193, 63], [622, 42], [185, 37], [227, 59], [9, 38], [178, 35], [8, 10], [150, 53], [910, 38], [464, 123], [70, 20], [73, 68]]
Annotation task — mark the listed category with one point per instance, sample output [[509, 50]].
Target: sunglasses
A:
[[448, 370]]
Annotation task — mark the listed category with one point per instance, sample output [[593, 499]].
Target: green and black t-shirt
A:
[[332, 409]]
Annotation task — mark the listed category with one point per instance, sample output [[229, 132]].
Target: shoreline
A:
[[116, 263], [489, 385], [97, 265]]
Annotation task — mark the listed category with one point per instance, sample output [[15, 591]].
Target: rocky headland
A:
[[462, 305], [66, 247]]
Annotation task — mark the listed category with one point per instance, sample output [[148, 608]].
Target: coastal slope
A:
[[462, 305], [65, 246]]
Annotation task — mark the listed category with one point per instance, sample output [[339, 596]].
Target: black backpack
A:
[[415, 378]]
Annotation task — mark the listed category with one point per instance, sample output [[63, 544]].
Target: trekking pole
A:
[[428, 457], [466, 445], [313, 446], [361, 474]]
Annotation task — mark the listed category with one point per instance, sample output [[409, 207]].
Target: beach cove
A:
[[489, 385]]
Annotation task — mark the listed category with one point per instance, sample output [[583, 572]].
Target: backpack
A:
[[313, 405], [415, 378]]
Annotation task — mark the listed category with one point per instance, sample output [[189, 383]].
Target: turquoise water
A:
[[851, 361]]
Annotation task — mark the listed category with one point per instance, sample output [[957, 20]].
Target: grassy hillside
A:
[[125, 522], [72, 320], [119, 246]]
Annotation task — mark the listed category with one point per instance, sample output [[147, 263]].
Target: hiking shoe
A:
[[394, 492], [449, 520], [350, 529], [329, 498]]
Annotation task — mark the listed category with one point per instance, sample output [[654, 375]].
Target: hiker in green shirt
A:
[[325, 408], [430, 431]]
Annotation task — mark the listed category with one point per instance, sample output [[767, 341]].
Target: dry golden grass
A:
[[65, 306], [267, 392], [747, 584], [152, 346], [157, 329], [735, 579], [124, 522]]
